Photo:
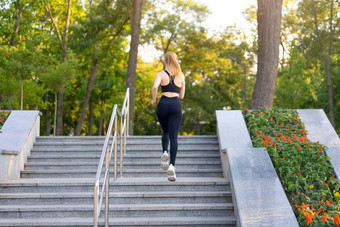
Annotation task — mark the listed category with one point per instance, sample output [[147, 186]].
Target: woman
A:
[[169, 111]]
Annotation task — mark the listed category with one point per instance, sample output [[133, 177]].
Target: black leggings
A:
[[169, 113]]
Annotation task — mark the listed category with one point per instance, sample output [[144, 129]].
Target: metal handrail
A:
[[107, 154]]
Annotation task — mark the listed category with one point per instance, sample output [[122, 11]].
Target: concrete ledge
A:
[[232, 132], [260, 198], [16, 140], [258, 195], [319, 128]]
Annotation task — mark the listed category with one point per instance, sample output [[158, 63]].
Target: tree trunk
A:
[[136, 16], [60, 113], [101, 115], [269, 24], [63, 47], [47, 117], [87, 94], [198, 129], [22, 94], [326, 61], [91, 119], [17, 25], [55, 113]]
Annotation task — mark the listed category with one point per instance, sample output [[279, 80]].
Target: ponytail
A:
[[171, 63]]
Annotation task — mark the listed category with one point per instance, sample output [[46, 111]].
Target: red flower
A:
[[299, 147], [309, 219], [336, 220], [324, 218]]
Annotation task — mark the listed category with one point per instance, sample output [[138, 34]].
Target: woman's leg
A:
[[174, 124], [163, 118]]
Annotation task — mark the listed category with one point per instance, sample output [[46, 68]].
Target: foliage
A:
[[302, 165], [4, 114], [213, 81]]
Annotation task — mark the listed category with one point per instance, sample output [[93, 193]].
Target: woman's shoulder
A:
[[161, 72], [181, 75]]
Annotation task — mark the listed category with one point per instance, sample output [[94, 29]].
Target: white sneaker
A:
[[171, 173], [164, 161]]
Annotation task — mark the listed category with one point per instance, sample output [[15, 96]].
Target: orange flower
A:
[[265, 143], [297, 192], [321, 148], [298, 174], [256, 134], [309, 219], [271, 119], [324, 218], [336, 220], [320, 202], [304, 206], [317, 154], [299, 147], [327, 202], [307, 146]]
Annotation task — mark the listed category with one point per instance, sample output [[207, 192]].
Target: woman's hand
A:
[[153, 102]]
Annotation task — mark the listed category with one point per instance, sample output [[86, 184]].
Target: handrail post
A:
[[115, 150], [121, 145], [95, 203], [106, 154], [107, 168]]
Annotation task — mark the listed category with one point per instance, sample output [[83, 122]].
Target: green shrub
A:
[[302, 166]]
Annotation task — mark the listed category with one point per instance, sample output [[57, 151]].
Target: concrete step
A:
[[130, 221], [154, 184], [129, 148], [118, 210], [86, 173], [166, 197], [89, 165], [137, 155], [141, 139], [130, 142]]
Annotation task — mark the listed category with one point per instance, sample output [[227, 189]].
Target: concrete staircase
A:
[[56, 188]]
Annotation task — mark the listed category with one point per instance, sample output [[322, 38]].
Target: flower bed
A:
[[302, 166], [3, 116]]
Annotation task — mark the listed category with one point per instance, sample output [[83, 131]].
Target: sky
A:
[[227, 12], [223, 13]]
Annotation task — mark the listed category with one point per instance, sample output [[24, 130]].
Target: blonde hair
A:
[[171, 63]]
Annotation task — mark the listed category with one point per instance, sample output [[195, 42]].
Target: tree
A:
[[106, 21], [63, 46], [269, 24], [326, 58], [137, 6]]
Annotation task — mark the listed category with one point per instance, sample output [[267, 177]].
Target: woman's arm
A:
[[155, 88], [182, 92]]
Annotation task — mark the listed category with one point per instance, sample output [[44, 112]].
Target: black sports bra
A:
[[171, 86]]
